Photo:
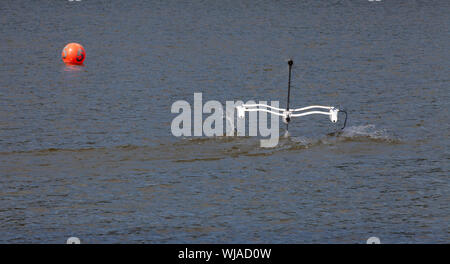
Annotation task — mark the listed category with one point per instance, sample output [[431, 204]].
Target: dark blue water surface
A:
[[88, 151]]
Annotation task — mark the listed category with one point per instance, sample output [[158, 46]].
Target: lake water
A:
[[88, 151]]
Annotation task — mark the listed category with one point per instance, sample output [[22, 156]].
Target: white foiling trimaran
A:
[[288, 113]]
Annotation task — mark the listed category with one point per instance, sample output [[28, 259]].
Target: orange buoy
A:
[[73, 53]]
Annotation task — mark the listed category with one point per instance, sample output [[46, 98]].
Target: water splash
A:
[[363, 133], [368, 133]]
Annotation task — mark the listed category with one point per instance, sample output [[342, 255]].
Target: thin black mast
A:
[[290, 63]]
